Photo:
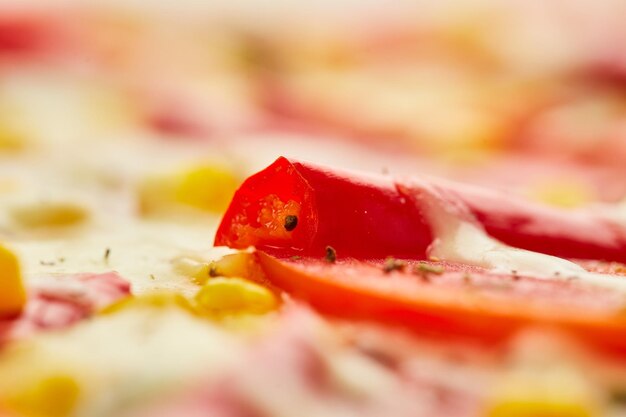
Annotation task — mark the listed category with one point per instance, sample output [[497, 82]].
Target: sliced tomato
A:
[[459, 303]]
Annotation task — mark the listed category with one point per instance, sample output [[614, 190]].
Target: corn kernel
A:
[[157, 300], [193, 268], [206, 188], [12, 293], [54, 396], [235, 295], [558, 392], [562, 193], [11, 140], [240, 264], [13, 135], [49, 215]]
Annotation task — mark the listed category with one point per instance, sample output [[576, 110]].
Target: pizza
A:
[[345, 209]]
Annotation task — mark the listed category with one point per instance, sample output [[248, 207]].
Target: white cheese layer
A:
[[460, 239]]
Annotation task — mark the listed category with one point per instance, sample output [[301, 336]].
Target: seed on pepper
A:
[[291, 222], [331, 254]]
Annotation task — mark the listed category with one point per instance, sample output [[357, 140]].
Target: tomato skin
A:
[[450, 311], [374, 216], [356, 302]]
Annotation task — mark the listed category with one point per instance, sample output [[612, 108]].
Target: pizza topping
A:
[[57, 302], [12, 139], [213, 272], [206, 188], [273, 222], [331, 255], [346, 210], [291, 222], [424, 270], [12, 293], [333, 209], [52, 396], [464, 242], [240, 264], [562, 193], [235, 296], [392, 264], [49, 214], [161, 346], [460, 239], [158, 300], [492, 309], [543, 380], [195, 268]]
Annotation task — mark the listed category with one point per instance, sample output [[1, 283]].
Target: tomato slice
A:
[[465, 303]]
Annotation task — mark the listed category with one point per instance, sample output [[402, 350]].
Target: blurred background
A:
[[523, 95]]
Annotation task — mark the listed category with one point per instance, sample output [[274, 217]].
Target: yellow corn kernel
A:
[[14, 132], [11, 140], [157, 300], [54, 396], [49, 215], [235, 295], [12, 293], [558, 392], [193, 268], [240, 264], [207, 188], [562, 193]]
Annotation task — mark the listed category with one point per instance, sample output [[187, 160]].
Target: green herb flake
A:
[[424, 268], [392, 264]]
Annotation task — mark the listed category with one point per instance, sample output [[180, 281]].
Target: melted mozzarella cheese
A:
[[462, 240], [131, 356]]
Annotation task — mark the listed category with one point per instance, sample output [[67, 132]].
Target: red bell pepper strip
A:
[[462, 303], [359, 216], [297, 208]]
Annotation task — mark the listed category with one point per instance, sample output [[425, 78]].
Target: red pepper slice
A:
[[359, 216], [374, 216], [463, 303]]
